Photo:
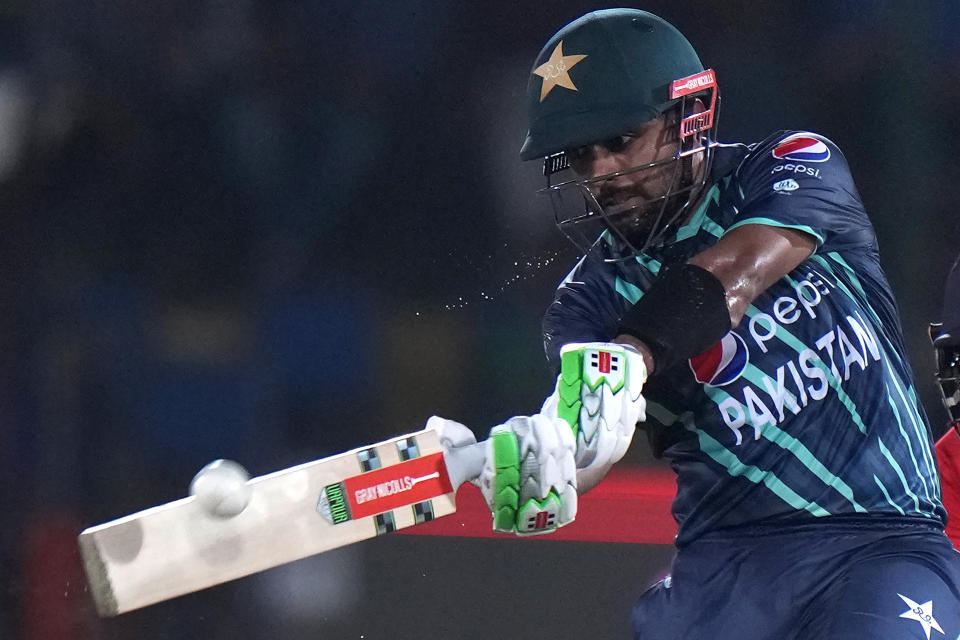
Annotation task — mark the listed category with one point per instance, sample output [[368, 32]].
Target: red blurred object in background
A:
[[630, 505], [948, 456]]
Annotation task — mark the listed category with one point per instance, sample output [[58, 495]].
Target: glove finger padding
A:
[[599, 396], [529, 479]]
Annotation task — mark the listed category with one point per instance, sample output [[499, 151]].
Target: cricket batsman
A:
[[730, 300], [946, 344]]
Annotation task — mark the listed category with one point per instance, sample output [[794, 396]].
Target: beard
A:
[[642, 218], [645, 223]]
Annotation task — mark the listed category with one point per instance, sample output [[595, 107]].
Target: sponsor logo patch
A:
[[786, 185], [797, 168], [722, 363], [801, 147], [387, 488]]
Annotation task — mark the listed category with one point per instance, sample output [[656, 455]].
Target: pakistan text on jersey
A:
[[808, 376]]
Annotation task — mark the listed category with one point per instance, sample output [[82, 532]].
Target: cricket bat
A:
[[179, 547]]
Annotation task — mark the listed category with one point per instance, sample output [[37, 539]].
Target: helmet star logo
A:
[[556, 71], [922, 613]]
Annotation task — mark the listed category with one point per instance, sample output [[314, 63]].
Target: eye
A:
[[619, 143]]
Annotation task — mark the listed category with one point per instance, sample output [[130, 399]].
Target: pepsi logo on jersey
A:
[[801, 147], [797, 168], [722, 363]]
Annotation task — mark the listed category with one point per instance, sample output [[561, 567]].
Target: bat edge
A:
[[98, 577]]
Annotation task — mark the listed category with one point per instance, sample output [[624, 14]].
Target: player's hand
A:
[[463, 456], [531, 468], [525, 470], [529, 478], [598, 395]]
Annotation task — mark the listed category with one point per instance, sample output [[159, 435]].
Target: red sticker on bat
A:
[[397, 485]]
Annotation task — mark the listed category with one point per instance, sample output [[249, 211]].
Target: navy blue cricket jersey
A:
[[807, 408]]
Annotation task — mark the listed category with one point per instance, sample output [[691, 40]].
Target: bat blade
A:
[[178, 548]]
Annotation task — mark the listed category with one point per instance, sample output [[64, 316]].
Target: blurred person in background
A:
[[946, 342], [744, 280]]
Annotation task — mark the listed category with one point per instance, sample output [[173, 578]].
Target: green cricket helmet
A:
[[599, 77]]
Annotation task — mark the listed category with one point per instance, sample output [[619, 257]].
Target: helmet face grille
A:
[[697, 83], [635, 224]]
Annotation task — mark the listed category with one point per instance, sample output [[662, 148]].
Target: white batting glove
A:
[[525, 470], [598, 396], [529, 477], [531, 468]]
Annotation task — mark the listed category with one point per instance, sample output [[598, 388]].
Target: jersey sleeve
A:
[[584, 309], [800, 180]]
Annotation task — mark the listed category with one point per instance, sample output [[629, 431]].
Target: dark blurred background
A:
[[273, 231]]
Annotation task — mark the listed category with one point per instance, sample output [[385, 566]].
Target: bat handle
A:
[[464, 463]]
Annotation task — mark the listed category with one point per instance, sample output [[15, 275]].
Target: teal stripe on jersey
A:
[[863, 299], [916, 421], [936, 486], [631, 293], [886, 494], [855, 282], [712, 228], [918, 424], [850, 272], [785, 441], [848, 403], [735, 467], [921, 435], [700, 219], [774, 223], [903, 479], [652, 265], [913, 458]]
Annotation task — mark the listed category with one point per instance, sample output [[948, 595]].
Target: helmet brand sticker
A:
[[696, 82], [803, 148]]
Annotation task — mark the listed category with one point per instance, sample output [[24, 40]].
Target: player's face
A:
[[632, 201]]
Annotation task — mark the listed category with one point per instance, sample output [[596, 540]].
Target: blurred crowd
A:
[[272, 231]]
